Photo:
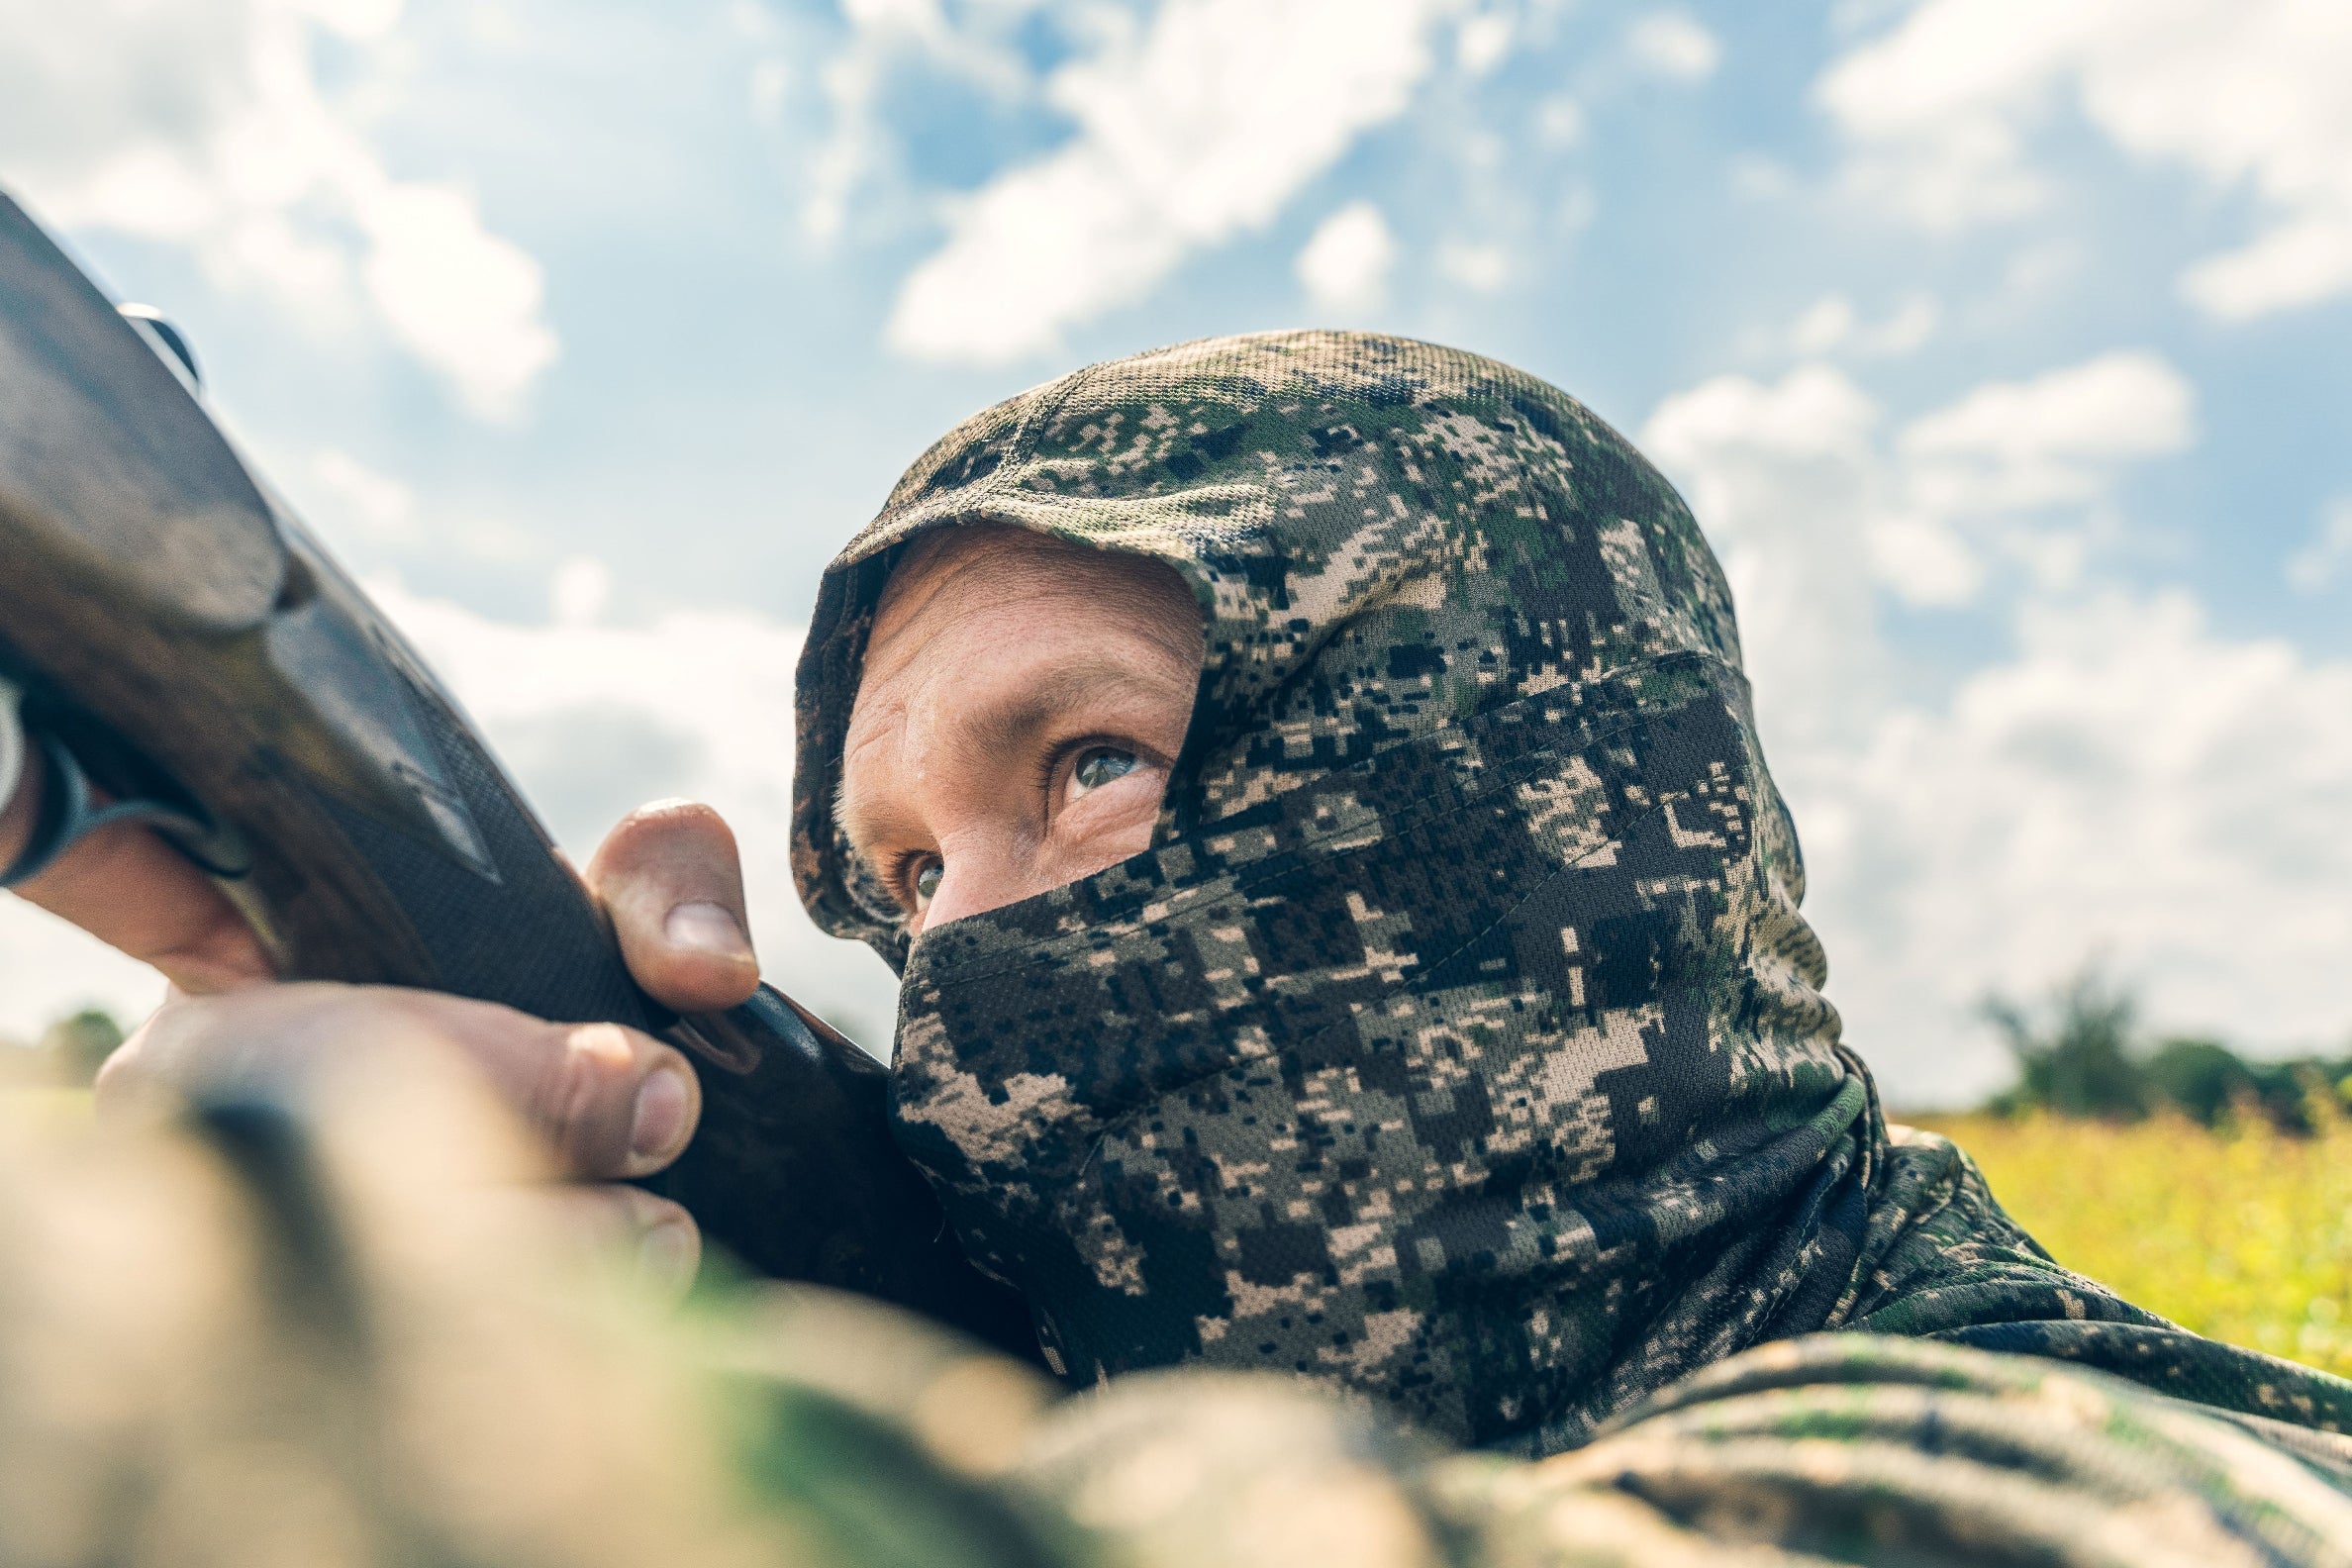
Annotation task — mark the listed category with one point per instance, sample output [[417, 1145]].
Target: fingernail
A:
[[658, 1124], [667, 1255], [706, 928]]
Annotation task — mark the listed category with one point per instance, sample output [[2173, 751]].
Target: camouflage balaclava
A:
[[1459, 1041]]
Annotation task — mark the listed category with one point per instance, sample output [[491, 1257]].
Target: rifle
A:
[[179, 638]]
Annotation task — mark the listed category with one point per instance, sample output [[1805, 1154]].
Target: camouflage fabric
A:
[[1459, 1043], [279, 1332], [271, 1333], [1838, 1448]]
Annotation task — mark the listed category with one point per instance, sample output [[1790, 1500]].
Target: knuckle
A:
[[576, 1104], [646, 1210]]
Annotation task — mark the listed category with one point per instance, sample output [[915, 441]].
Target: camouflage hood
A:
[[1459, 1041]]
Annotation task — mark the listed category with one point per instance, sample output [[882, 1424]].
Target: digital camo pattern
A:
[[1837, 1448], [1840, 1449], [1460, 1044]]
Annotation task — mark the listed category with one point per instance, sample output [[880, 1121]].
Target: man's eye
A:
[[1099, 766], [926, 882]]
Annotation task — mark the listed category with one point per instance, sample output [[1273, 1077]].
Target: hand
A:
[[600, 1103], [608, 1103]]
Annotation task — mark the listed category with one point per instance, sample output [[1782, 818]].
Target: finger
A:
[[611, 1102], [659, 1239], [669, 877], [607, 1102], [133, 891]]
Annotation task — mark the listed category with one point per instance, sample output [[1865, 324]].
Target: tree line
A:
[[67, 1054], [2083, 1055]]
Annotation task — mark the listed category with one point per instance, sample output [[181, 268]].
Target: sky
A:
[[2004, 350]]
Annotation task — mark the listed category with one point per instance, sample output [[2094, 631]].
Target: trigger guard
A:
[[69, 814]]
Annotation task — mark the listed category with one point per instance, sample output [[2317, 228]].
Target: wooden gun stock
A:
[[191, 645]]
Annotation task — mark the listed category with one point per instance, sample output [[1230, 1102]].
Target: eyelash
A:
[[1074, 750], [903, 872], [908, 866]]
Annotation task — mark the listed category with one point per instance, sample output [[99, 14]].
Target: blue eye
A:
[[926, 882], [1098, 767]]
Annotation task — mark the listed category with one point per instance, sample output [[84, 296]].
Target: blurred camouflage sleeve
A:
[[265, 1335], [1837, 1448]]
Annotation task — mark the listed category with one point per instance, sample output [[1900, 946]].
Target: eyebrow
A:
[[1008, 727]]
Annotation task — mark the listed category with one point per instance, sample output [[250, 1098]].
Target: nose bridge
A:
[[984, 866]]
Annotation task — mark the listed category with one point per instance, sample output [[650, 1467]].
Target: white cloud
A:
[[2118, 405], [456, 296], [203, 125], [580, 592], [1202, 126], [352, 491], [2051, 439], [1914, 323], [1344, 265], [1925, 560], [1482, 268], [2124, 783], [592, 718], [1814, 510], [1483, 40], [2244, 93], [771, 89], [2127, 787], [2318, 564], [2296, 263], [1788, 481], [1675, 45], [1832, 324], [352, 503], [881, 32], [1823, 325], [1560, 120]]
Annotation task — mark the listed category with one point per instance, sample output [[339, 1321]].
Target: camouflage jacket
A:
[[1459, 1043], [271, 1337], [884, 1443]]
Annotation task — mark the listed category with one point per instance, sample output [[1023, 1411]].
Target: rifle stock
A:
[[191, 643]]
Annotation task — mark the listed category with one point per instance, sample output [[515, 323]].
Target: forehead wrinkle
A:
[[1008, 725]]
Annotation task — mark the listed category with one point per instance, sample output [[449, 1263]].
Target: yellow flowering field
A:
[[2243, 1234]]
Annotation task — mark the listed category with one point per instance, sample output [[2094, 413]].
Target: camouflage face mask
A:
[[1459, 1041]]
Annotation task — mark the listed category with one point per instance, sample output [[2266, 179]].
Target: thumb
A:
[[669, 877]]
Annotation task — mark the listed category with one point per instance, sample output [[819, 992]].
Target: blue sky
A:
[[2001, 349]]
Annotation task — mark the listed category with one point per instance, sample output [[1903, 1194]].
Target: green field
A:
[[2243, 1234]]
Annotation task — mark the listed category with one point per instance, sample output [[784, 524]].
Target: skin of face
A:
[[1021, 702]]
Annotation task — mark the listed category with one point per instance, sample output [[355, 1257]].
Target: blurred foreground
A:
[[256, 1333]]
